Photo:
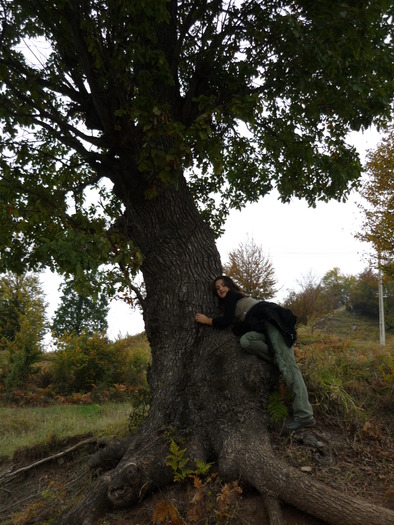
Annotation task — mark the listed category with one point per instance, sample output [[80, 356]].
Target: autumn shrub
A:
[[108, 370], [83, 361], [44, 375], [138, 359]]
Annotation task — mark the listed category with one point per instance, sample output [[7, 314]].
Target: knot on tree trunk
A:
[[142, 469]]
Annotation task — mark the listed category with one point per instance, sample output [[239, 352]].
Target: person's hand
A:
[[202, 319]]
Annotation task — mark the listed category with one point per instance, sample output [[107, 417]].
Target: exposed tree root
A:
[[109, 456], [296, 488], [272, 504], [137, 475], [8, 476]]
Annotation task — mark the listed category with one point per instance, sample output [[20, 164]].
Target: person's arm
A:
[[203, 319], [224, 320]]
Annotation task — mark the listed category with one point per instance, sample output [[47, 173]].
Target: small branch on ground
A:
[[8, 476]]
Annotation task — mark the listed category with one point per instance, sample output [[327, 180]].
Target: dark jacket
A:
[[282, 318]]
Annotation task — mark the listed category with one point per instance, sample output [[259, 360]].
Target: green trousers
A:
[[271, 347]]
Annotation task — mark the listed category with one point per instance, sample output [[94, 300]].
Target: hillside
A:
[[344, 324], [350, 381]]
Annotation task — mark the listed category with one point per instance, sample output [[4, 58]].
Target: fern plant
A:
[[211, 503], [276, 408], [178, 461]]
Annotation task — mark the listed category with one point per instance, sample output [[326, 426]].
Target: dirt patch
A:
[[359, 462], [31, 490], [359, 465], [249, 510]]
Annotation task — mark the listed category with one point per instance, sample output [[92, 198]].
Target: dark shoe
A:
[[297, 424]]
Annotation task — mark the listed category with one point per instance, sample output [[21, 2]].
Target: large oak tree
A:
[[129, 129]]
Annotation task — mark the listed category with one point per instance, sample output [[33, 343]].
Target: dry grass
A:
[[351, 377], [30, 426]]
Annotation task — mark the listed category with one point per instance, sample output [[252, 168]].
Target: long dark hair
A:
[[228, 282]]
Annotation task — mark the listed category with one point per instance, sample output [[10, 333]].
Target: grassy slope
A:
[[348, 371], [31, 426]]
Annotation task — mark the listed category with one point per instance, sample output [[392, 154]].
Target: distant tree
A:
[[364, 294], [79, 312], [307, 304], [364, 297], [378, 192], [336, 289], [10, 310], [252, 270], [22, 324], [388, 299]]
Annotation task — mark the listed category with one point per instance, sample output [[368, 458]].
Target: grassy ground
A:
[[347, 325], [31, 426], [349, 374]]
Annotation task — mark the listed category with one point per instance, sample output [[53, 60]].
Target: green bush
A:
[[138, 360], [82, 362], [22, 359], [90, 363]]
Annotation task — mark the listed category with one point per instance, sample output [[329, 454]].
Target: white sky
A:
[[299, 241]]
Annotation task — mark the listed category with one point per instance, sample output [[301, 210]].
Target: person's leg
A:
[[284, 356], [255, 343]]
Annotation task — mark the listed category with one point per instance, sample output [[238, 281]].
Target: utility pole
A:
[[381, 311]]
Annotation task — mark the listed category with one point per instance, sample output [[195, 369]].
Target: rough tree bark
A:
[[203, 387]]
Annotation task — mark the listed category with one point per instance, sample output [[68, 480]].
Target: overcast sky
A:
[[299, 241]]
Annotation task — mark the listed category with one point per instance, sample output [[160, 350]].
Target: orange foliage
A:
[[166, 512]]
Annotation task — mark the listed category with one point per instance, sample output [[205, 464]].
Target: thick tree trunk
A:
[[204, 388]]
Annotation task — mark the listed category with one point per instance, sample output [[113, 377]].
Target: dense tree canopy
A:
[[357, 293], [378, 192], [245, 96], [364, 294], [336, 288]]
